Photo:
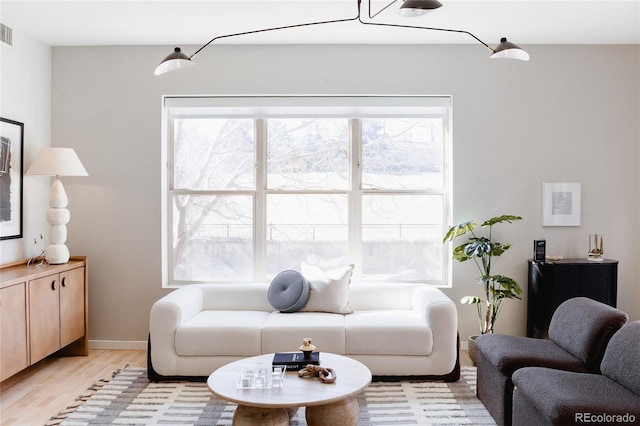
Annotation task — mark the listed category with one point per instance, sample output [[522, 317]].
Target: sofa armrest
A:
[[177, 307], [439, 312], [434, 306], [166, 316]]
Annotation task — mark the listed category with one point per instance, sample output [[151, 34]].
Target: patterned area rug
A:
[[129, 398]]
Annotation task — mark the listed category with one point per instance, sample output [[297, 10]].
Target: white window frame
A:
[[260, 108]]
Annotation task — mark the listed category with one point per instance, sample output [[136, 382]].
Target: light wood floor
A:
[[32, 396]]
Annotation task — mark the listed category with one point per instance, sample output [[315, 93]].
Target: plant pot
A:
[[473, 351]]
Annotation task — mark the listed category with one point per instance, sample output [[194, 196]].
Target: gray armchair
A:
[[544, 396], [579, 331]]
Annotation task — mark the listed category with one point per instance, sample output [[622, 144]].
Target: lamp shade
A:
[[57, 161], [411, 8], [508, 50], [174, 61]]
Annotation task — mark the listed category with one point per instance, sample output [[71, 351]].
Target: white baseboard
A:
[[118, 344]]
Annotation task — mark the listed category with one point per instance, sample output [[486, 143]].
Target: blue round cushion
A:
[[289, 291]]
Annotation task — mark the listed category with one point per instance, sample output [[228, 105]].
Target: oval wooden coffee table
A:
[[335, 403]]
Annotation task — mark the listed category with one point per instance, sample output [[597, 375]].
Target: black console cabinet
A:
[[550, 284]]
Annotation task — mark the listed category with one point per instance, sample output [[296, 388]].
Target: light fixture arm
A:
[[285, 27], [378, 12], [381, 24], [358, 17], [427, 28]]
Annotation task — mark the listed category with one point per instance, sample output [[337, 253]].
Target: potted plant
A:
[[481, 249]]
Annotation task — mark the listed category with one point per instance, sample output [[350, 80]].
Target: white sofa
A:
[[395, 330]]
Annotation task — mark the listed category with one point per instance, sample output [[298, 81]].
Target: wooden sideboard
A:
[[43, 310]]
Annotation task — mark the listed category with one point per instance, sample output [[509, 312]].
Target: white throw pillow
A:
[[329, 289]]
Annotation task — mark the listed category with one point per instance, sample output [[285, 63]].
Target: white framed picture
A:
[[561, 203]]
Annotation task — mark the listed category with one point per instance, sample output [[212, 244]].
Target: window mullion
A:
[[260, 202], [167, 207], [447, 198], [355, 196]]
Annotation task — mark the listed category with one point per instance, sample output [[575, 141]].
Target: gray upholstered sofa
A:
[[579, 331], [544, 396]]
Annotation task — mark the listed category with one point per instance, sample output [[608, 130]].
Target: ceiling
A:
[[93, 22]]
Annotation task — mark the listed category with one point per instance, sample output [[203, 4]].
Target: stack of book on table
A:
[[295, 361]]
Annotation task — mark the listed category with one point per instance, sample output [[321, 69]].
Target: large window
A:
[[255, 186]]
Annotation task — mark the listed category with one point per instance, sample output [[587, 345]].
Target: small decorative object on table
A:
[[326, 375], [307, 347], [539, 250], [38, 254], [261, 377], [596, 248]]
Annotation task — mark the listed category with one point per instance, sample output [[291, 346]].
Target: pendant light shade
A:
[[508, 50], [174, 61], [411, 8]]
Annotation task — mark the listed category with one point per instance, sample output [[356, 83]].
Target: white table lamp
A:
[[57, 162]]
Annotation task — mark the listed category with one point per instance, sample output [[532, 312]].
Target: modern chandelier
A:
[[505, 49]]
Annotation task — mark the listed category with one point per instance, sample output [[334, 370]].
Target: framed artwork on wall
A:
[[561, 204], [11, 150]]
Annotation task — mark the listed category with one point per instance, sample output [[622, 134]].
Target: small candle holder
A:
[[596, 248], [260, 377]]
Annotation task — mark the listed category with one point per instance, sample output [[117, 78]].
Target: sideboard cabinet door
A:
[[44, 316], [13, 328], [550, 284], [72, 324]]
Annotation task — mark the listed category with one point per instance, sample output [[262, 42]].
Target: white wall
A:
[[570, 114], [25, 96]]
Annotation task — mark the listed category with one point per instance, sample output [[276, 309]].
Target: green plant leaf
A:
[[498, 248], [460, 229], [478, 247], [460, 252], [504, 288], [470, 300], [499, 219]]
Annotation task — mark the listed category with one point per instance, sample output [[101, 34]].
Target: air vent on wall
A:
[[6, 34]]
